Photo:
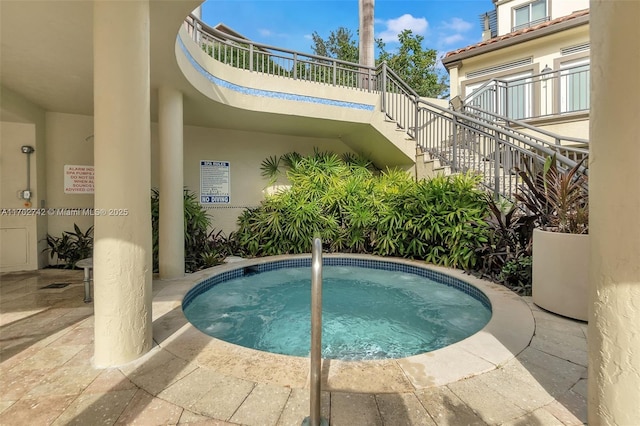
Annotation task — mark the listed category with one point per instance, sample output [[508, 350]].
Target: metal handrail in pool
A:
[[316, 334]]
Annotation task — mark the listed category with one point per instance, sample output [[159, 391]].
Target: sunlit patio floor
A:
[[47, 377]]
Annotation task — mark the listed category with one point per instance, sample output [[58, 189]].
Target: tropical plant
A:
[[558, 199], [71, 246], [433, 220], [354, 208], [505, 256], [202, 248], [516, 274]]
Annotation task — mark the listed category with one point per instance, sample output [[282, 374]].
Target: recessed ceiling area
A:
[[47, 58]]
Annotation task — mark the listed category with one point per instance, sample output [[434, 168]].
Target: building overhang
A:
[[502, 42]]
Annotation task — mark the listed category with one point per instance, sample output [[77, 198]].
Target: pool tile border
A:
[[305, 262]]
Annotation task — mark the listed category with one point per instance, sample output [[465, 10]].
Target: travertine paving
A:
[[47, 377]]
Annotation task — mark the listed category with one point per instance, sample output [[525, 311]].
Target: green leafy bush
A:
[[354, 208], [516, 274], [71, 246], [202, 248], [505, 256]]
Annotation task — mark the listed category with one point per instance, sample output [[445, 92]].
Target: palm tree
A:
[[366, 51]]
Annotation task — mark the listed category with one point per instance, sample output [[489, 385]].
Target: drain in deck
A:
[[55, 285]]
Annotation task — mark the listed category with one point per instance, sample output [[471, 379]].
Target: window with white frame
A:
[[530, 14], [574, 85]]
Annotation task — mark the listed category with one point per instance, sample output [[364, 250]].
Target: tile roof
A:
[[514, 34]]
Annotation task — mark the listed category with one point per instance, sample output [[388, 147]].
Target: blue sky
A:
[[445, 25]]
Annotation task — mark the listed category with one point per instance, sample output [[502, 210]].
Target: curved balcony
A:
[[280, 91]]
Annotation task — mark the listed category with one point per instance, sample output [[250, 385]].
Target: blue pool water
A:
[[367, 313]]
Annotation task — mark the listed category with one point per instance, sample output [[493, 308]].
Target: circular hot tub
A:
[[372, 309]]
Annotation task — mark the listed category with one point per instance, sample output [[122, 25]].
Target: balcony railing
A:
[[531, 23], [270, 60], [474, 142], [543, 95]]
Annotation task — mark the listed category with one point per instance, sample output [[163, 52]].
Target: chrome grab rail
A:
[[316, 335]]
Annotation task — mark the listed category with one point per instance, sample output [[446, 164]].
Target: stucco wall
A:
[[18, 231], [245, 151], [69, 142], [543, 51], [23, 123]]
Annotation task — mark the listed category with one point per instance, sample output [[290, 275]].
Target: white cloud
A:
[[455, 38], [308, 36], [452, 32], [265, 33], [404, 22], [458, 25]]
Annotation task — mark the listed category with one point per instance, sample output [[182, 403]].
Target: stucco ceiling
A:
[[47, 53]]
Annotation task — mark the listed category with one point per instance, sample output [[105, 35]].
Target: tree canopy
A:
[[412, 62], [339, 45]]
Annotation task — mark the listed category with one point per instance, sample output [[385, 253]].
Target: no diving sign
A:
[[215, 182]]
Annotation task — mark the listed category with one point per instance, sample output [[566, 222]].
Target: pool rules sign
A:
[[214, 182]]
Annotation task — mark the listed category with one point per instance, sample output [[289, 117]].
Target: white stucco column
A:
[[614, 318], [171, 237], [454, 81], [122, 251]]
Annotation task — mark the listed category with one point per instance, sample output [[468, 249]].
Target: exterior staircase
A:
[[448, 140]]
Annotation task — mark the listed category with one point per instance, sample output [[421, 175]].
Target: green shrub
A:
[[516, 274], [354, 208], [202, 248], [433, 220], [71, 246], [503, 256]]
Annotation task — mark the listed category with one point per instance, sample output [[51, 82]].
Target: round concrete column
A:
[[122, 252], [171, 238], [614, 338]]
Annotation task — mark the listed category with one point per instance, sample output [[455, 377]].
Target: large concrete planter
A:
[[560, 273]]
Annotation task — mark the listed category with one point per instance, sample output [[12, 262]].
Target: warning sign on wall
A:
[[78, 179], [214, 182]]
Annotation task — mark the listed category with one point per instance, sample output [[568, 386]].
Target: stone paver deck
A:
[[46, 374]]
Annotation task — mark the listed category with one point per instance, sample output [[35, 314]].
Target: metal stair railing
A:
[[480, 142], [570, 147], [468, 143], [547, 94]]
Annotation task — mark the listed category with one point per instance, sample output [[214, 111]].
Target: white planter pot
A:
[[561, 273]]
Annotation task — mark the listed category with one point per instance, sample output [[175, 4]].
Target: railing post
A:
[[314, 418], [454, 150], [251, 57], [335, 73], [496, 104], [416, 118], [383, 88], [496, 168], [506, 101]]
